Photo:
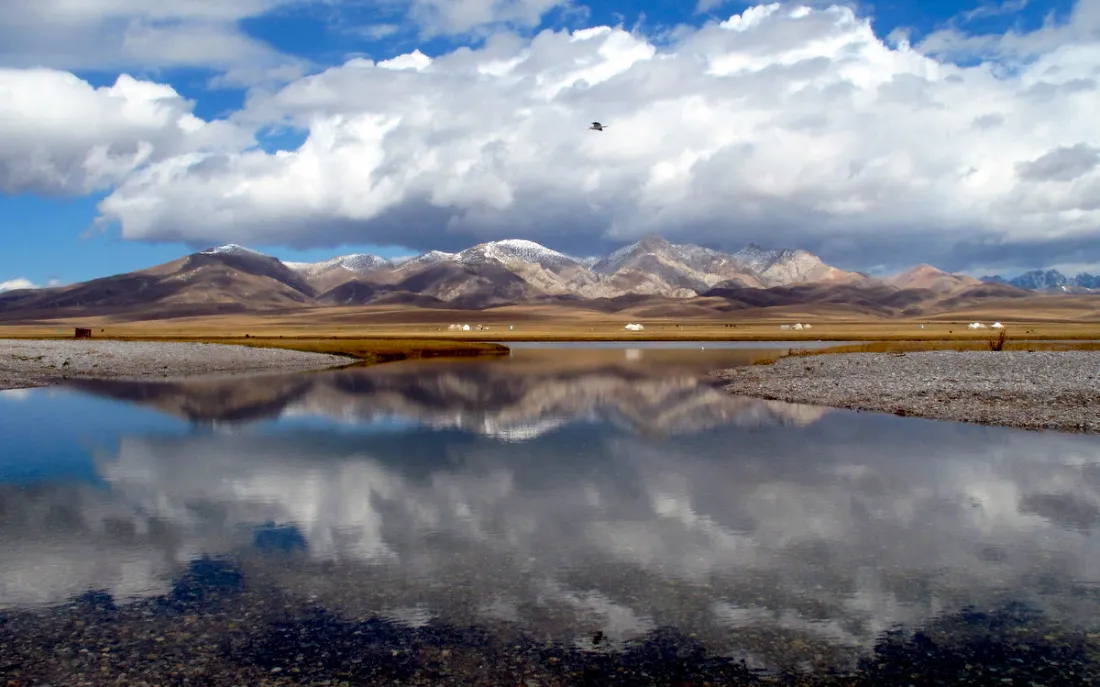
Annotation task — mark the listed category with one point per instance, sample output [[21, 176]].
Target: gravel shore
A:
[[1041, 390], [30, 363]]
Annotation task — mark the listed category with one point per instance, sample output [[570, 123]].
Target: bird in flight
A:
[[596, 126]]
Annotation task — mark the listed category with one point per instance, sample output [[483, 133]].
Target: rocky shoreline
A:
[[1040, 390], [26, 363]]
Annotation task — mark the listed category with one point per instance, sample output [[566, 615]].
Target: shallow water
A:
[[692, 345], [578, 519]]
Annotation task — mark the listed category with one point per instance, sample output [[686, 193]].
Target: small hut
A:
[[83, 333]]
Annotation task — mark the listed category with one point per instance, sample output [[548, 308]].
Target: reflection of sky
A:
[[47, 434], [830, 530]]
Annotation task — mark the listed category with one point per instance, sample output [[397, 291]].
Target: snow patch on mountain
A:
[[432, 257], [234, 249], [509, 251], [356, 262], [756, 258], [652, 266]]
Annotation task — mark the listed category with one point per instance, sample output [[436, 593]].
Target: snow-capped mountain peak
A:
[[234, 249], [650, 266], [650, 245], [355, 262], [432, 257], [756, 258], [513, 250]]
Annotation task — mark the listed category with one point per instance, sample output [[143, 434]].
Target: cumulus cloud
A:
[[1080, 28], [1060, 164], [62, 136], [17, 284], [787, 125], [123, 34], [128, 34], [463, 16]]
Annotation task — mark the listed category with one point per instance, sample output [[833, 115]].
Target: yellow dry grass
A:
[[235, 328], [943, 345]]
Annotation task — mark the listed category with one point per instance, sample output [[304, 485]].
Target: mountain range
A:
[[646, 278], [1049, 280]]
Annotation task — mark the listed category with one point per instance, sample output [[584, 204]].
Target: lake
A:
[[559, 517]]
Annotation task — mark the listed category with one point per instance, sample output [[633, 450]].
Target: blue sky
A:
[[50, 236]]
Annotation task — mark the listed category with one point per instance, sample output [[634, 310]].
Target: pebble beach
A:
[[1040, 390], [26, 363]]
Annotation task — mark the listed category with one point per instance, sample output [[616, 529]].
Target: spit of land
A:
[[1027, 388], [31, 362]]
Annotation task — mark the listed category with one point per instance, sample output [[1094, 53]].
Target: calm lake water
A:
[[577, 518]]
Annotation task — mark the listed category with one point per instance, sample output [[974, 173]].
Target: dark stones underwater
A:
[[215, 628]]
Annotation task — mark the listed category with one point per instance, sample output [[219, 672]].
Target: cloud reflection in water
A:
[[671, 504]]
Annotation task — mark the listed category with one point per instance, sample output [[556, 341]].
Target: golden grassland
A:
[[377, 342], [367, 350], [988, 343], [359, 328]]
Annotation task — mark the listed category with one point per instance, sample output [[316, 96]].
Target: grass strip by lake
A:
[[897, 347]]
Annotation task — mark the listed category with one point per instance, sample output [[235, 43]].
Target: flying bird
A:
[[596, 126]]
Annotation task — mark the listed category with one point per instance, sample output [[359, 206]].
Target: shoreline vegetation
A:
[[898, 347], [490, 327]]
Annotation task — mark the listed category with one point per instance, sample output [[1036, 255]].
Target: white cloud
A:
[[133, 34], [17, 284], [796, 125], [462, 16], [125, 34], [61, 135], [994, 9], [24, 283], [1082, 27]]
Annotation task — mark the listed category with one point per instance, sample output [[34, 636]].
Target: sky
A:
[[876, 135]]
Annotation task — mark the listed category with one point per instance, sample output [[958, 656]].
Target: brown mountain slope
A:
[[928, 277], [649, 279], [468, 286], [201, 282]]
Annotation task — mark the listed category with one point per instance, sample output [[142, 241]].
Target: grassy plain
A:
[[365, 331], [940, 345], [380, 335]]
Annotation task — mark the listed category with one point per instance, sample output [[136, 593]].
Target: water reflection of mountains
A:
[[820, 537], [500, 400]]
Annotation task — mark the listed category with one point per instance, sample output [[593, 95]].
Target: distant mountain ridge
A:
[[1049, 280], [652, 266], [649, 278]]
